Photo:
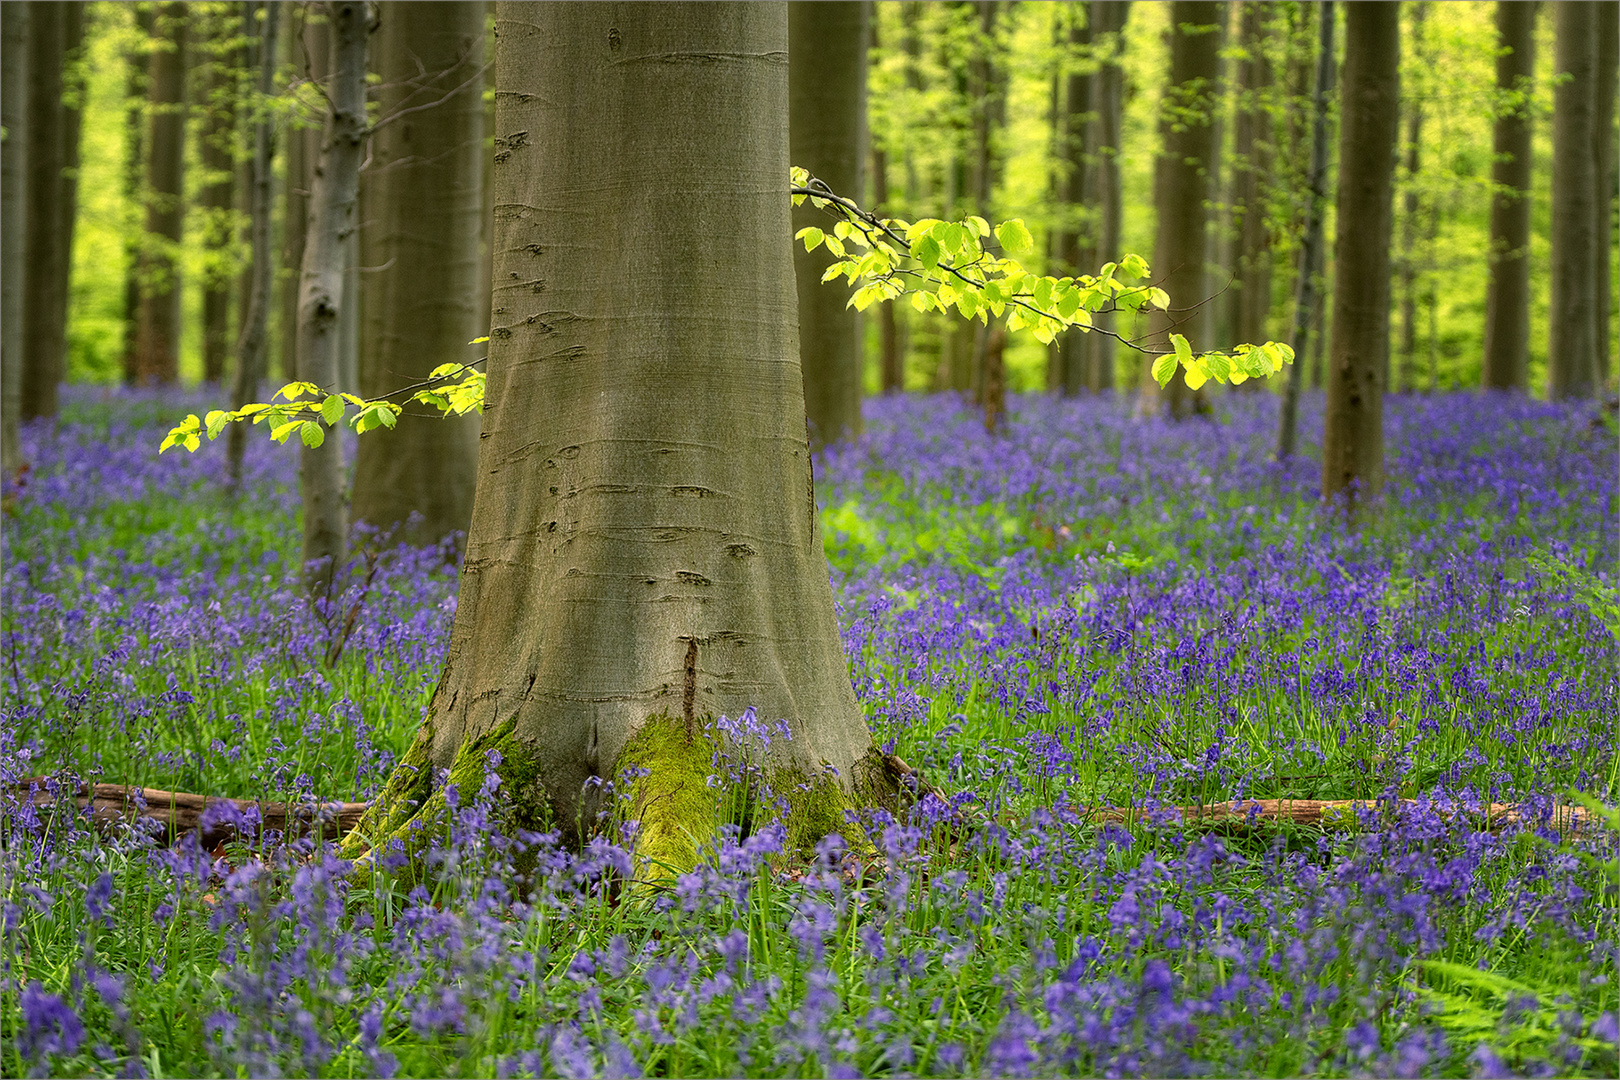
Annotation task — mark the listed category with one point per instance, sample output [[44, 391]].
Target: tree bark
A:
[[1108, 37], [1507, 303], [136, 61], [1181, 187], [311, 50], [425, 202], [1353, 440], [827, 135], [157, 334], [1607, 86], [1249, 296], [253, 343], [1077, 244], [891, 361], [1310, 250], [990, 83], [14, 34], [1572, 345], [321, 294], [216, 153], [645, 541], [55, 31], [1412, 210]]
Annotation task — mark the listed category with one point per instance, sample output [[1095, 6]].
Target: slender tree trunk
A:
[[14, 33], [1108, 37], [1249, 299], [827, 109], [1608, 86], [310, 56], [333, 217], [425, 201], [1353, 441], [1077, 246], [1181, 186], [134, 180], [989, 119], [217, 155], [486, 251], [1507, 303], [891, 362], [1310, 251], [157, 340], [645, 546], [1411, 221], [253, 344], [55, 32], [1572, 347]]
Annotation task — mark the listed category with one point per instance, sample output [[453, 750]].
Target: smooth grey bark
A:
[[1249, 295], [1181, 187], [311, 49], [1603, 141], [1310, 251], [1077, 246], [136, 59], [216, 154], [55, 31], [333, 217], [827, 135], [989, 83], [1572, 345], [645, 539], [425, 202], [1353, 439], [1108, 19], [157, 332], [253, 343], [1507, 297], [14, 28], [891, 361]]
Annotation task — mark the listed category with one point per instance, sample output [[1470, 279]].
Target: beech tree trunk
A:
[[1507, 303], [645, 541], [1411, 219], [1603, 137], [1353, 441], [891, 361], [55, 31], [989, 82], [321, 295], [311, 49], [136, 59], [1249, 298], [157, 333], [827, 135], [216, 153], [1108, 38], [1572, 338], [1181, 187], [253, 343], [425, 198], [1077, 246], [14, 32], [1306, 305]]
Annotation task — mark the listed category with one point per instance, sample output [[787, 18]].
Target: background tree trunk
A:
[[989, 81], [1607, 86], [1249, 298], [157, 337], [310, 54], [891, 362], [1411, 219], [1572, 337], [1507, 303], [55, 32], [425, 201], [136, 60], [253, 344], [1306, 306], [14, 31], [1108, 38], [645, 539], [1077, 246], [1181, 186], [1353, 440], [827, 133], [216, 153], [321, 295]]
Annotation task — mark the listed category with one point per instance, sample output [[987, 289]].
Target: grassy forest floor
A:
[[1089, 610]]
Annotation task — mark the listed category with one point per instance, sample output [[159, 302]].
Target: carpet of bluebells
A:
[[1089, 609]]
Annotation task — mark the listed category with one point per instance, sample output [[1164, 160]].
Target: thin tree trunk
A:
[[1108, 37], [253, 344], [1181, 187], [1411, 215], [425, 200], [891, 363], [55, 32], [310, 55], [134, 180], [217, 155], [1507, 304], [14, 33], [1249, 299], [1607, 86], [157, 341], [827, 107], [321, 295], [989, 78], [1353, 439], [1310, 250], [645, 544], [1077, 246], [1572, 348]]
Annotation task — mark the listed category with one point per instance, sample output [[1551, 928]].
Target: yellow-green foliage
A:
[[676, 810]]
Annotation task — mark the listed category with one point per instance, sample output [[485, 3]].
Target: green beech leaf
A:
[[1015, 237], [811, 236], [332, 409], [1163, 368], [311, 433]]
